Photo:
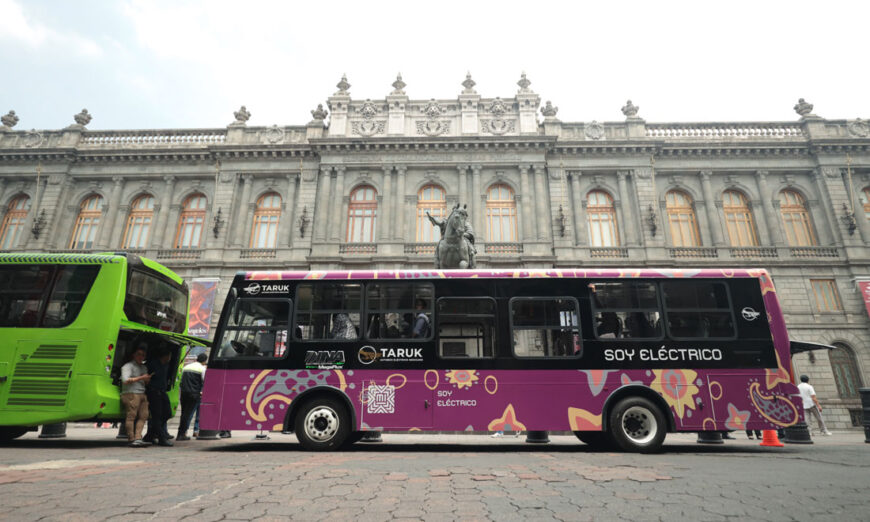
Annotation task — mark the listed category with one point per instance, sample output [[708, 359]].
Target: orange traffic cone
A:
[[769, 438]]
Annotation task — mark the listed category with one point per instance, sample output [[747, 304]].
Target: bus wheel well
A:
[[312, 393], [637, 391]]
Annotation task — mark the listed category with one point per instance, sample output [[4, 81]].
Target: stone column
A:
[[384, 222], [579, 210], [285, 228], [462, 193], [105, 240], [399, 214], [119, 228], [836, 234], [630, 224], [710, 205], [543, 211], [320, 214], [171, 225], [161, 214], [527, 205], [410, 208], [858, 208], [334, 226], [55, 217], [242, 215], [3, 191], [476, 206], [771, 217]]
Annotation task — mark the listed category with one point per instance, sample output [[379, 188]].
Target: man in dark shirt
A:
[[192, 377], [158, 399]]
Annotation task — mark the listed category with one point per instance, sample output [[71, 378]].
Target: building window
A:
[[85, 232], [681, 219], [190, 223], [501, 214], [433, 200], [603, 231], [362, 214], [266, 217], [13, 223], [738, 219], [827, 297], [845, 369], [139, 222], [798, 229]]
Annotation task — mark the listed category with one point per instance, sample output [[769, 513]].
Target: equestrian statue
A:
[[455, 249]]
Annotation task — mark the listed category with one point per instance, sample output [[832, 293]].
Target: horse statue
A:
[[456, 247]]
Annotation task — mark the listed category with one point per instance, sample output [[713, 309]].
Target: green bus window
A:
[[71, 288], [155, 302], [22, 293]]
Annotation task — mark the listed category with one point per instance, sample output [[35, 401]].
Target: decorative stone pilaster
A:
[[629, 223], [397, 103], [712, 215], [386, 223], [579, 207], [105, 240], [162, 215], [528, 103], [469, 101], [476, 208], [334, 226], [771, 214], [528, 214], [322, 198], [242, 215], [462, 191], [836, 232], [544, 217], [400, 214], [338, 104], [285, 227]]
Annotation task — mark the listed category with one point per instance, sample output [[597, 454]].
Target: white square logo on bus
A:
[[382, 399]]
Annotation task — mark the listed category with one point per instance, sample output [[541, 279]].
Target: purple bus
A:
[[619, 357]]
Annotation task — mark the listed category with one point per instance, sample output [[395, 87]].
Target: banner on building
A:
[[202, 295], [864, 286]]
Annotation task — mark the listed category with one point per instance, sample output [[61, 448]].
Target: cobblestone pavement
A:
[[90, 476]]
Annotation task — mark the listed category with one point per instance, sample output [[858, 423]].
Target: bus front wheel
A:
[[8, 433], [322, 424], [637, 425]]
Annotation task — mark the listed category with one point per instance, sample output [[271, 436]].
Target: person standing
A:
[[811, 404], [192, 377], [158, 399], [134, 378]]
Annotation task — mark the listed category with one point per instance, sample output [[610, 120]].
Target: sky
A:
[[161, 64]]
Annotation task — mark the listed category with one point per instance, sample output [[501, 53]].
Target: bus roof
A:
[[101, 258], [518, 273]]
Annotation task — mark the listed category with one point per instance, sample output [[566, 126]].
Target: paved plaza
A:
[[90, 476]]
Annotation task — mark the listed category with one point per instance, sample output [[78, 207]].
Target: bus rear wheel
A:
[[322, 423], [8, 433], [637, 425], [595, 439]]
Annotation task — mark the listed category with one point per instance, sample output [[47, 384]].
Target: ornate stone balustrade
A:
[[753, 252], [694, 252], [258, 253], [613, 252], [815, 252], [130, 138], [358, 248], [180, 253], [420, 248], [724, 130], [503, 248]]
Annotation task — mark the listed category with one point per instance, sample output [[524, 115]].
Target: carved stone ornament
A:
[[32, 139], [497, 126], [343, 86], [398, 85], [859, 128], [630, 109], [242, 116], [831, 172], [368, 127], [433, 127], [803, 108], [524, 83], [9, 120], [368, 110], [433, 109], [83, 118], [319, 113], [498, 108], [469, 85], [594, 131], [309, 175], [549, 111], [273, 134]]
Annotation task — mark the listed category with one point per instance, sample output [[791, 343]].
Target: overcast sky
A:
[[175, 64]]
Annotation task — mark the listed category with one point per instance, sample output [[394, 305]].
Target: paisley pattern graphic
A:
[[776, 409], [461, 378], [582, 420], [737, 419], [507, 422], [677, 387]]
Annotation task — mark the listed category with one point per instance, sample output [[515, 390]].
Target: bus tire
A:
[[322, 424], [637, 425], [595, 439], [9, 433]]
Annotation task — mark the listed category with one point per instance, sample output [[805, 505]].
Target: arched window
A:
[[865, 200], [798, 228], [603, 230], [433, 200], [13, 222], [362, 213], [266, 217], [191, 222], [139, 223], [738, 219], [85, 232], [501, 214], [845, 369], [681, 219]]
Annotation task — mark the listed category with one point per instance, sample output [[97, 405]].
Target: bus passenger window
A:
[[256, 328], [466, 327], [328, 311], [698, 310], [625, 310], [22, 291], [395, 309], [545, 327]]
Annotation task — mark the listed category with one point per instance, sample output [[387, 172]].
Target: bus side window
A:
[[466, 327], [394, 309], [625, 310], [545, 327], [698, 310], [71, 288], [22, 293], [256, 328], [328, 311]]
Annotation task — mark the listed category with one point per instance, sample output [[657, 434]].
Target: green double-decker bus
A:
[[68, 322]]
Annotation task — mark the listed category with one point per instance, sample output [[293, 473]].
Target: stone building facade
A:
[[350, 190]]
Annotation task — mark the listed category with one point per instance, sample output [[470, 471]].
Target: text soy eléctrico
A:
[[663, 354]]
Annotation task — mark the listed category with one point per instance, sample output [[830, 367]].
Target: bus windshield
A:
[[155, 302]]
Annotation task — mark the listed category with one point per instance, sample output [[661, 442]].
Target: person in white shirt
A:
[[134, 377], [811, 403]]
